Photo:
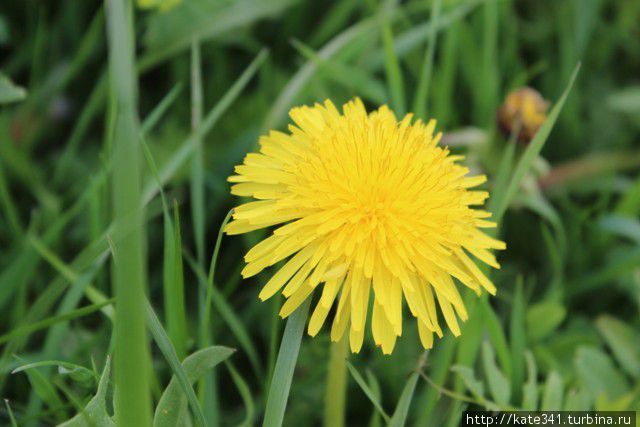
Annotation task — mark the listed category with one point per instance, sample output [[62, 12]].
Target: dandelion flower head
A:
[[366, 207]]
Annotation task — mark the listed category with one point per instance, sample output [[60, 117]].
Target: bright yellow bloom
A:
[[365, 203]]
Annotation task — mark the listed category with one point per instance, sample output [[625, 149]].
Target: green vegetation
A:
[[121, 301]]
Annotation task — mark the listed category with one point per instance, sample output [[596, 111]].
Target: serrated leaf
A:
[[95, 413], [172, 409], [598, 374], [543, 318], [496, 380], [623, 341]]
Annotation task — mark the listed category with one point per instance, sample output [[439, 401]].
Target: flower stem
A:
[[285, 365], [335, 393], [132, 364]]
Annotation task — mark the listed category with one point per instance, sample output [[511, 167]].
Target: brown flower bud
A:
[[524, 110]]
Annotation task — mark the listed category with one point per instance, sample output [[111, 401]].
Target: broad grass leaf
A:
[[172, 409], [623, 341]]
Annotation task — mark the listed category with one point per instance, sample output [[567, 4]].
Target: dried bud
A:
[[524, 110]]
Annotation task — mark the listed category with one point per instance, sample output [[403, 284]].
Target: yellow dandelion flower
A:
[[365, 205]]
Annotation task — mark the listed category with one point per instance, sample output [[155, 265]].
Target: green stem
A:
[[285, 365], [132, 363], [335, 394], [204, 326]]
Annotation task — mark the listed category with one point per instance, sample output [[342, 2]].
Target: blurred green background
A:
[[563, 331]]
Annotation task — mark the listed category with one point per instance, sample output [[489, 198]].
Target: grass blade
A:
[[421, 100], [367, 391], [285, 366], [43, 324], [174, 290], [399, 417], [392, 69], [234, 322], [204, 325], [517, 337], [212, 117], [245, 394], [10, 413], [164, 343]]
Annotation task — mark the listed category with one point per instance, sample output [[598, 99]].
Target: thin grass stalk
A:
[[421, 100], [132, 363], [207, 389], [197, 162]]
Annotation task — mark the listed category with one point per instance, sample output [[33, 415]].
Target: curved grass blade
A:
[[399, 417], [367, 391], [245, 394], [204, 325], [164, 343]]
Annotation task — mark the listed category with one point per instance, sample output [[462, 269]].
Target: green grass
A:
[[110, 226]]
